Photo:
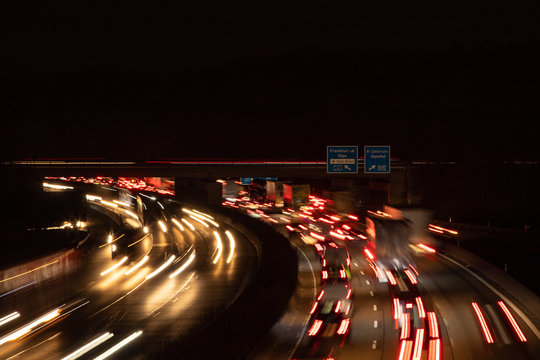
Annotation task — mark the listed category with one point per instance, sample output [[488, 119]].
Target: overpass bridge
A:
[[198, 177]]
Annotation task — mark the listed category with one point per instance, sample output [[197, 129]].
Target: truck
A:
[[296, 195], [389, 239]]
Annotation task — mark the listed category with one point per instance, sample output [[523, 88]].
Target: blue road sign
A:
[[377, 159], [342, 159], [246, 180]]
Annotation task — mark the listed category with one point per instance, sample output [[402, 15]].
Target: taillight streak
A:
[[418, 342], [483, 323], [396, 308], [411, 276], [390, 277], [343, 327], [513, 322], [433, 325], [338, 306], [405, 326], [405, 349], [320, 295], [369, 254], [315, 328], [314, 307], [420, 306], [426, 248], [434, 352]]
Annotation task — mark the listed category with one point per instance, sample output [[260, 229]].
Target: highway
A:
[[126, 307], [464, 317], [190, 266]]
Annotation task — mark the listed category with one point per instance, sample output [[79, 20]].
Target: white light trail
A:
[[184, 266], [160, 269], [232, 246], [162, 226], [29, 327], [188, 224], [219, 247], [9, 317], [199, 220], [58, 187], [93, 197], [115, 266], [177, 223], [138, 265], [120, 345], [86, 348]]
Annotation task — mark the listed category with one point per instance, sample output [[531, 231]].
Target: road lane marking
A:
[[527, 321], [374, 307], [374, 344], [304, 325], [367, 282], [361, 272], [375, 324]]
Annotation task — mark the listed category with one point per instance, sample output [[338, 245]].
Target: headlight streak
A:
[[124, 259], [58, 187], [184, 266], [162, 226], [118, 346], [161, 206], [197, 215], [161, 268], [86, 348], [121, 203], [93, 197], [232, 244], [219, 247], [29, 327], [199, 220], [9, 317], [203, 214], [188, 224], [108, 203], [177, 223], [138, 265]]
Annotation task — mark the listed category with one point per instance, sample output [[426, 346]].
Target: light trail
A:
[[138, 265], [162, 226], [91, 345], [115, 266], [29, 327], [9, 318], [161, 268], [118, 346], [177, 223], [219, 247], [512, 321], [418, 342], [483, 323], [188, 224], [184, 266], [232, 245]]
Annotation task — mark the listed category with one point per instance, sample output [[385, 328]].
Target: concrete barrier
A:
[[39, 270]]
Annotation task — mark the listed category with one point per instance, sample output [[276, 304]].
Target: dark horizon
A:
[[454, 86]]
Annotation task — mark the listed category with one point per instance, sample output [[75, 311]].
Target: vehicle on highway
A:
[[335, 263]]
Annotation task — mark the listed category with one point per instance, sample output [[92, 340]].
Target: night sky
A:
[[275, 82]]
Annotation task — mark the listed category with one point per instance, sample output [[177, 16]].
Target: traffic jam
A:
[[331, 234]]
